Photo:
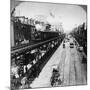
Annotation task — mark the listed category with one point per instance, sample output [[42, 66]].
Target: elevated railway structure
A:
[[30, 60]]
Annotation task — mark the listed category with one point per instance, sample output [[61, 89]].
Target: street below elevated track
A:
[[68, 60]]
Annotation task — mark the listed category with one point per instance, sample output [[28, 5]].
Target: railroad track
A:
[[32, 46]]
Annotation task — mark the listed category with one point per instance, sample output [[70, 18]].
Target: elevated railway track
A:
[[36, 55]]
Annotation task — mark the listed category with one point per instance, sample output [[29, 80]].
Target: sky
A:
[[69, 15]]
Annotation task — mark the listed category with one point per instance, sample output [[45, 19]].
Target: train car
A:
[[46, 35]]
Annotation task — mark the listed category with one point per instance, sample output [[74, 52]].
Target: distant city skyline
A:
[[69, 15]]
